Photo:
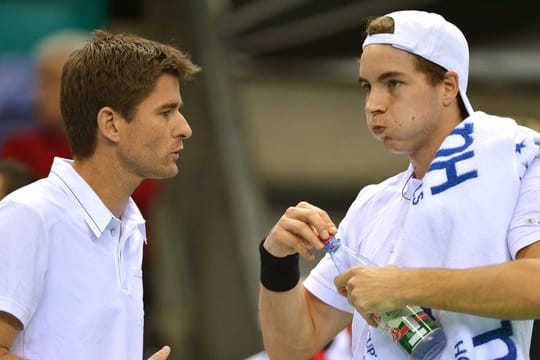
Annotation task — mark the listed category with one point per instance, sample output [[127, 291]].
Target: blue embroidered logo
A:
[[520, 146], [460, 351], [504, 334], [449, 165], [418, 195], [370, 348], [466, 133], [537, 143], [524, 150]]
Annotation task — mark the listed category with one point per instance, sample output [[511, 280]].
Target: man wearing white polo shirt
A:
[[71, 244]]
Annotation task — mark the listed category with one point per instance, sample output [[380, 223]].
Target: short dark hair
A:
[[116, 70]]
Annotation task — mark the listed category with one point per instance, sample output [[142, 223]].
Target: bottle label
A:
[[407, 326]]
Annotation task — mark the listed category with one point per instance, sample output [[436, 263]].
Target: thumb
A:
[[162, 354]]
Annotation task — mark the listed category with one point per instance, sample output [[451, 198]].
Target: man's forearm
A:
[[296, 324], [505, 291], [287, 331]]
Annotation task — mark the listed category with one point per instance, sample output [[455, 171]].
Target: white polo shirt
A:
[[70, 271]]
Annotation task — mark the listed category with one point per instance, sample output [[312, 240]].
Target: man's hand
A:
[[302, 228], [162, 354], [371, 289], [10, 327]]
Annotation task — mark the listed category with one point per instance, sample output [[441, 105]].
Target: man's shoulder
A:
[[387, 186], [41, 197], [379, 194]]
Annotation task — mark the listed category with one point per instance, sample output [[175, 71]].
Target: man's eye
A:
[[365, 86]]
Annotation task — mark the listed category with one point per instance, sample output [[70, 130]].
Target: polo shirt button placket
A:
[[119, 254]]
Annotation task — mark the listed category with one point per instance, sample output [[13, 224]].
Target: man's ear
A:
[[107, 119], [451, 87]]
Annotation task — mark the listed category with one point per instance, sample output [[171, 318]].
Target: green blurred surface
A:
[[24, 22]]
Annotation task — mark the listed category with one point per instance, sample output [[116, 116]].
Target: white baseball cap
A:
[[430, 36]]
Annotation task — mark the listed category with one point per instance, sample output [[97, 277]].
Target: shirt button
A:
[[113, 231]]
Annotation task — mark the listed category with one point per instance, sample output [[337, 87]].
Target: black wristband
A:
[[279, 273]]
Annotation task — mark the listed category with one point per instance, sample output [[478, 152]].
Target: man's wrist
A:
[[278, 274]]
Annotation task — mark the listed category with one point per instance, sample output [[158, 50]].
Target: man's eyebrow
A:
[[382, 77], [171, 105]]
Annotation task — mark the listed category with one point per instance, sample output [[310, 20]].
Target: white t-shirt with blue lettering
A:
[[374, 226]]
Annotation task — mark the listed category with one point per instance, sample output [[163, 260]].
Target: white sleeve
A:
[[320, 281], [524, 228], [23, 259]]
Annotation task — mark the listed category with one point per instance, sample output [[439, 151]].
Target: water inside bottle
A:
[[431, 346]]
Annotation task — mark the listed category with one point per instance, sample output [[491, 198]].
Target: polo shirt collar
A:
[[94, 211]]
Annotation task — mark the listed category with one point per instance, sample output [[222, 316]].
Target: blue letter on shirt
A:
[[449, 165], [503, 333]]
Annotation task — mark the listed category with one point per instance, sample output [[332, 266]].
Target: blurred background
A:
[[277, 118]]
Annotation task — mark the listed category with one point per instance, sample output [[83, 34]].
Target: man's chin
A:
[[171, 172]]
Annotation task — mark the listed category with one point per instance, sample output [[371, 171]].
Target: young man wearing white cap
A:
[[456, 233]]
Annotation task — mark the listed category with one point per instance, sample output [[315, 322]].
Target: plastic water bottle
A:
[[414, 329]]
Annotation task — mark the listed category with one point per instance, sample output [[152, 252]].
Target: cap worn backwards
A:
[[430, 36]]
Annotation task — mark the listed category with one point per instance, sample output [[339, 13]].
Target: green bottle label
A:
[[407, 326]]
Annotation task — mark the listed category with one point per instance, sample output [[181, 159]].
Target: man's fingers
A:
[[161, 354], [316, 220], [371, 319], [324, 227], [301, 229]]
